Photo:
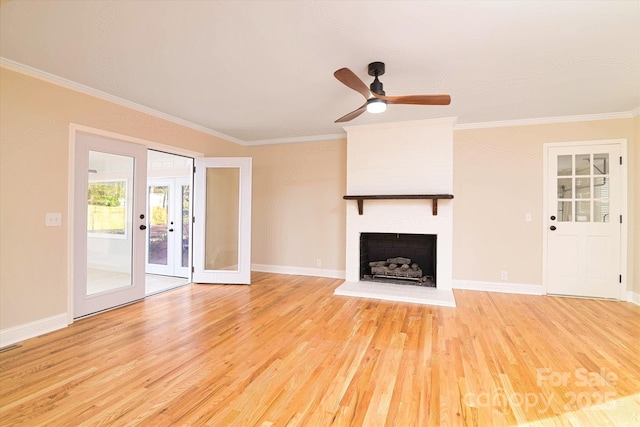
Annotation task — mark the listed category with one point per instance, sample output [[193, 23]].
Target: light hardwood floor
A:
[[104, 280], [155, 283], [285, 351]]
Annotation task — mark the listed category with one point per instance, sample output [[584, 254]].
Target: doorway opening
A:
[[169, 213], [122, 250]]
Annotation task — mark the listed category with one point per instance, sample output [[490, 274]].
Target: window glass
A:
[[601, 211], [583, 211], [564, 188], [583, 188], [106, 203], [601, 164], [583, 164], [564, 211], [564, 166], [601, 187]]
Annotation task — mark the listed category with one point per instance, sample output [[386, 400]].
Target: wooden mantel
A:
[[433, 197]]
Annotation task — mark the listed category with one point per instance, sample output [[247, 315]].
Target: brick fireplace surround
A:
[[400, 158]]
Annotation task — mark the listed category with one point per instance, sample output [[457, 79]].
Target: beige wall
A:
[[634, 215], [298, 211], [498, 178], [34, 164]]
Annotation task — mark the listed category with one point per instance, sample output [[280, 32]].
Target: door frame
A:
[[74, 129], [624, 240]]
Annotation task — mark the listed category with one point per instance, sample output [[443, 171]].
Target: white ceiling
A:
[[263, 70]]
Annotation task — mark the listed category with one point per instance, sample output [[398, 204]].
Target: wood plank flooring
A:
[[286, 352]]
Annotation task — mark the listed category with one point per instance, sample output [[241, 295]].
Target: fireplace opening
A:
[[407, 259]]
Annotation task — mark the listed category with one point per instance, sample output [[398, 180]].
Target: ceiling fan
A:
[[376, 99]]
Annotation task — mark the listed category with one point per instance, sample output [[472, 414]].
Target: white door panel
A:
[[582, 222], [222, 227], [109, 223], [598, 249], [569, 247]]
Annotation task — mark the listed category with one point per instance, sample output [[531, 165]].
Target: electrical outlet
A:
[[318, 262], [53, 219], [503, 275]]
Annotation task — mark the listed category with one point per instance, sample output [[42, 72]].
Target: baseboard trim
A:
[[298, 271], [633, 297], [506, 288], [19, 333]]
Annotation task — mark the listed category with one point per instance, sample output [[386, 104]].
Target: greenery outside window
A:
[[107, 209]]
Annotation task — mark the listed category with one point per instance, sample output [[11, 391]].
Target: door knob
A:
[[553, 217], [171, 229], [552, 228], [143, 227]]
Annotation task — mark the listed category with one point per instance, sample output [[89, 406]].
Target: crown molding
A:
[[60, 81], [549, 120], [296, 139], [402, 124]]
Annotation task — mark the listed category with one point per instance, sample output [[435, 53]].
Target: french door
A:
[[222, 222], [583, 223], [169, 219], [109, 223]]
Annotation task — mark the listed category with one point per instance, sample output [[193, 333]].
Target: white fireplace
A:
[[408, 158]]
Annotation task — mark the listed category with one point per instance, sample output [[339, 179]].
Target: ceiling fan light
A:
[[376, 106]]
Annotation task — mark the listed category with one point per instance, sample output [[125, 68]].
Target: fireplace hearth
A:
[[399, 258]]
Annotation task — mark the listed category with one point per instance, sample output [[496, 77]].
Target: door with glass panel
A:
[[222, 220], [109, 223], [168, 202], [583, 220]]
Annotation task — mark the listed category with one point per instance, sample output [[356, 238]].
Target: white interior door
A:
[[109, 223], [222, 227], [583, 220], [168, 202]]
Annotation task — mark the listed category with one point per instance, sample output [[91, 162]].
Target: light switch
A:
[[527, 217], [53, 219]]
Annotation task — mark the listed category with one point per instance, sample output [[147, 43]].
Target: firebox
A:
[[398, 258]]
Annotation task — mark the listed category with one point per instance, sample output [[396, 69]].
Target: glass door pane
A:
[[158, 199], [221, 240], [109, 222], [186, 221], [583, 189]]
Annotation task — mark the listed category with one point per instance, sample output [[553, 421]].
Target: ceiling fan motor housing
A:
[[376, 69]]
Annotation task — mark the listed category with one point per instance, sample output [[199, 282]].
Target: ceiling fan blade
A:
[[349, 79], [416, 99], [352, 115]]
